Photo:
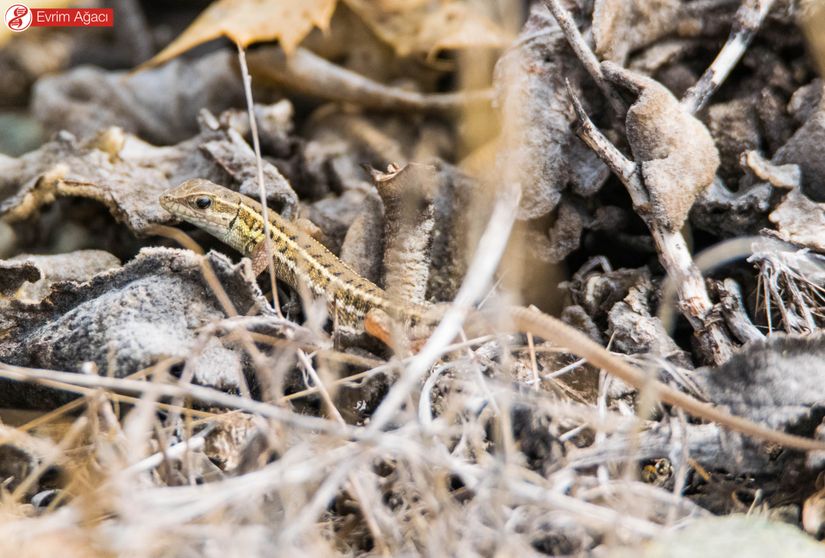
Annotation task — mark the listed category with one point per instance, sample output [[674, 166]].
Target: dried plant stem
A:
[[256, 144], [674, 255], [80, 383], [558, 332], [748, 19], [172, 453], [357, 488], [308, 73], [66, 442], [736, 316]]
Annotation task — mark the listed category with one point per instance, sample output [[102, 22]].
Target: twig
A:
[[310, 74], [256, 143], [585, 54], [357, 489], [384, 368], [178, 451], [679, 426], [748, 19], [674, 255], [625, 169], [540, 495], [579, 344], [323, 496], [67, 380]]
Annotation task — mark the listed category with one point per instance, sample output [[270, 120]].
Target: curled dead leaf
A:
[[250, 21], [800, 220], [621, 26], [674, 151], [428, 27]]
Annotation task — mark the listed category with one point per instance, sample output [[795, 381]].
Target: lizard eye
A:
[[203, 202]]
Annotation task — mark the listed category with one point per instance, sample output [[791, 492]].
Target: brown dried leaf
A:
[[674, 150], [128, 175], [160, 105], [428, 27], [621, 26], [251, 21], [116, 169]]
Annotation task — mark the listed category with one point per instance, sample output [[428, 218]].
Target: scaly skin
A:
[[300, 260], [304, 263]]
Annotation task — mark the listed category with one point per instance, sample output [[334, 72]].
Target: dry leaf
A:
[[784, 378], [674, 150], [800, 220], [533, 147], [622, 26], [127, 318], [250, 21], [428, 27]]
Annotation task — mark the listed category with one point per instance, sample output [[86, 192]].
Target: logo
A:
[[18, 17]]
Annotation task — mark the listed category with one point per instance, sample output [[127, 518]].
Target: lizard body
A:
[[300, 261], [305, 264]]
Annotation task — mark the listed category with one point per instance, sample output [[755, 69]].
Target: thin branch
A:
[[68, 381], [578, 343], [748, 19], [177, 452], [307, 73], [621, 166], [256, 143], [674, 255], [69, 438]]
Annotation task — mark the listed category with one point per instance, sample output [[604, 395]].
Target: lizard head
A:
[[204, 204]]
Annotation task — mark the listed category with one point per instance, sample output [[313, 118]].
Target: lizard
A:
[[305, 264]]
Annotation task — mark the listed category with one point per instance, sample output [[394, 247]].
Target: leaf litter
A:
[[155, 403]]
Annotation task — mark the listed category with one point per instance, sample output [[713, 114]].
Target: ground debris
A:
[[676, 153], [622, 26], [79, 266], [161, 106], [535, 113], [786, 380], [127, 175], [127, 319], [642, 171]]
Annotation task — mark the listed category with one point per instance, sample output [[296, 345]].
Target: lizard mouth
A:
[[166, 200]]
